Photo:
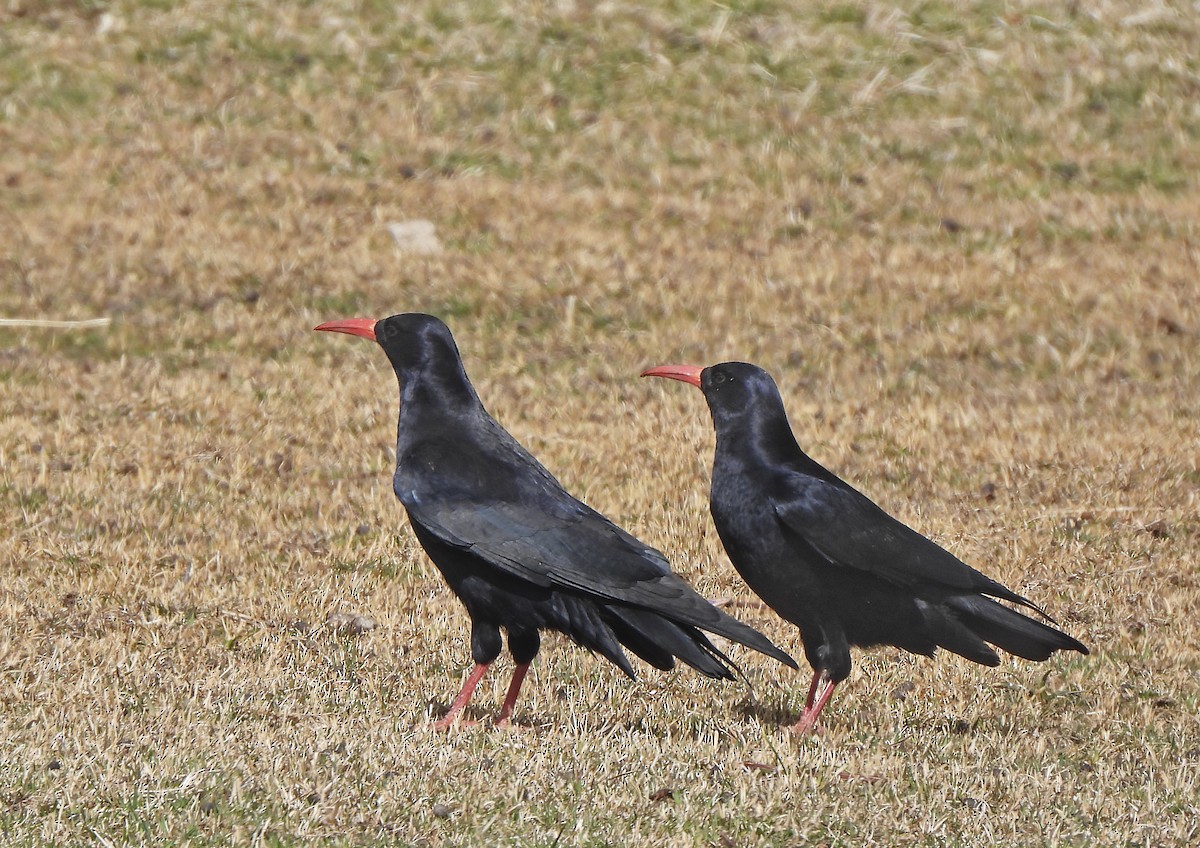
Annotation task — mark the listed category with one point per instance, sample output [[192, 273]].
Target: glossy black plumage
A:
[[520, 552], [830, 561]]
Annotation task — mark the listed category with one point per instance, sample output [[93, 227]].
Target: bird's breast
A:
[[754, 540], [747, 527]]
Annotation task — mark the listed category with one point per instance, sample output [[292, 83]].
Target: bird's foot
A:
[[452, 723], [506, 723], [806, 726]]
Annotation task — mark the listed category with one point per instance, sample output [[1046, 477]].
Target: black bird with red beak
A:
[[521, 553], [830, 561]]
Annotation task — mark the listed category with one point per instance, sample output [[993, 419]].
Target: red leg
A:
[[808, 718], [812, 689], [463, 697], [510, 700]]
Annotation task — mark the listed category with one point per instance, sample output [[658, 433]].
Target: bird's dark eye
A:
[[719, 377]]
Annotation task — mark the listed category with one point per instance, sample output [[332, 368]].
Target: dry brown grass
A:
[[963, 237]]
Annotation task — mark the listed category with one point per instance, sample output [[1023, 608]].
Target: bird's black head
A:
[[416, 342], [737, 390], [742, 397], [413, 341], [420, 347], [729, 387]]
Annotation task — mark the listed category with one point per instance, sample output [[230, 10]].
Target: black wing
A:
[[510, 513], [848, 529]]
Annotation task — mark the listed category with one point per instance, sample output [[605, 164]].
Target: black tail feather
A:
[[1010, 630], [587, 625], [641, 645], [658, 641], [744, 634], [948, 632]]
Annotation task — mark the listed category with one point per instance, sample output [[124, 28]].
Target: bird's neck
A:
[[761, 443], [442, 401], [762, 435]]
